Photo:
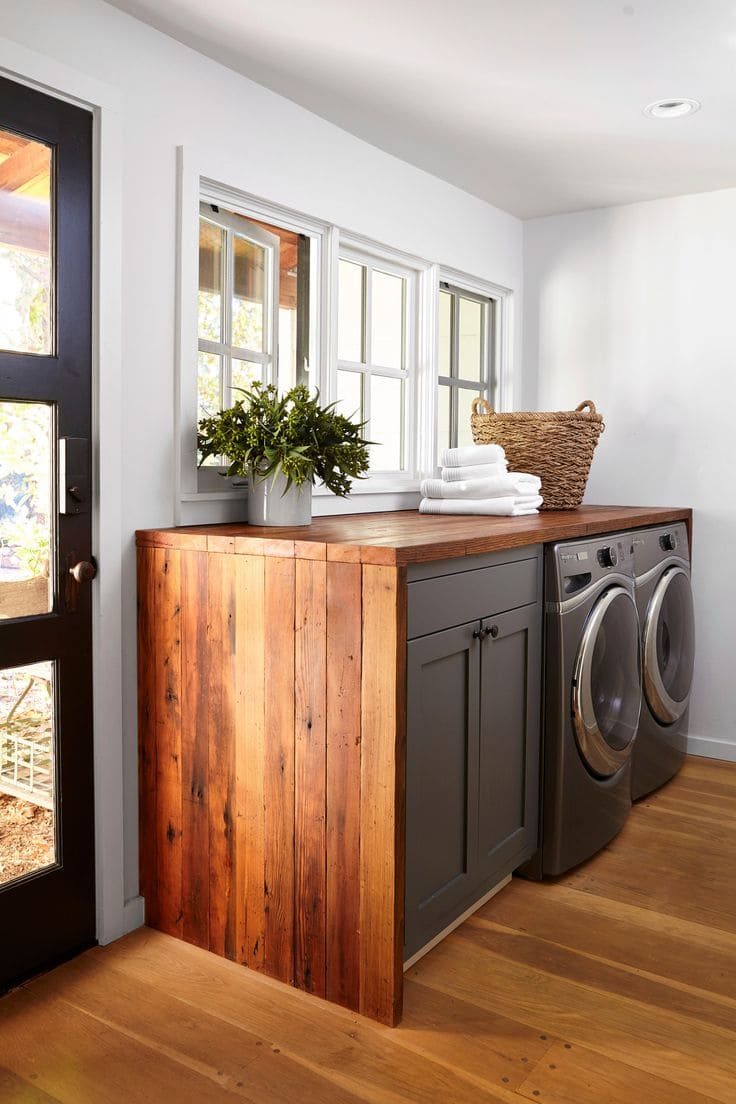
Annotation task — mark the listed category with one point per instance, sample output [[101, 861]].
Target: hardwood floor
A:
[[615, 984]]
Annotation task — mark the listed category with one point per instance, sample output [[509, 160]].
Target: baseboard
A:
[[711, 748], [456, 923]]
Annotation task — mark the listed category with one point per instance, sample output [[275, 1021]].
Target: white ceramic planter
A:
[[269, 503]]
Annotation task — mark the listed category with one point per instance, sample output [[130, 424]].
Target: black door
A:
[[46, 779]]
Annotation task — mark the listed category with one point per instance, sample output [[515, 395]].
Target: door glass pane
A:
[[387, 320], [614, 681], [244, 374], [471, 339], [27, 769], [443, 418], [445, 334], [26, 523], [25, 245], [249, 295], [464, 431], [211, 240], [350, 312], [676, 637], [387, 419], [350, 394]]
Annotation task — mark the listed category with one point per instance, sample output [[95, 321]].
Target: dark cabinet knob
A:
[[83, 572], [493, 631], [486, 631]]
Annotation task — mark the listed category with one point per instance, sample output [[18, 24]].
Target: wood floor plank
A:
[[350, 1052], [82, 1061], [680, 953], [227, 1055], [16, 1090], [575, 1075]]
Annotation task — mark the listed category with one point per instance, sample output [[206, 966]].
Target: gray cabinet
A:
[[473, 709]]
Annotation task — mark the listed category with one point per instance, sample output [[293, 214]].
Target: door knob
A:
[[84, 571]]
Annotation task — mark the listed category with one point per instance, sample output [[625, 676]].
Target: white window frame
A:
[[414, 271], [202, 485]]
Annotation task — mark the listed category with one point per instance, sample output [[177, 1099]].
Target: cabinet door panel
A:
[[509, 740], [442, 749]]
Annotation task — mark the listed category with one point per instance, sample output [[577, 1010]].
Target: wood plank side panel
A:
[[344, 628], [167, 676], [194, 750], [278, 889], [147, 646], [221, 760], [310, 861], [249, 760], [382, 753]]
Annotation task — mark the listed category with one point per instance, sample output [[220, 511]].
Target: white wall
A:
[[169, 96], [634, 307]]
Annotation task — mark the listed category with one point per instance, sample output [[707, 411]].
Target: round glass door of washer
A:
[[606, 691], [669, 646]]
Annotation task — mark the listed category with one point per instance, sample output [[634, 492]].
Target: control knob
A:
[[608, 557], [668, 542]]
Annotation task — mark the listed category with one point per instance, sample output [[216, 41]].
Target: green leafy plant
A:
[[265, 433]]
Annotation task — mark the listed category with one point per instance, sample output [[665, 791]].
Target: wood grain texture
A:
[[279, 768], [194, 751], [167, 676], [381, 816], [405, 537], [147, 803], [310, 798], [343, 739], [554, 993]]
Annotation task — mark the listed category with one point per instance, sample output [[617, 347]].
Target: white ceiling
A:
[[534, 105]]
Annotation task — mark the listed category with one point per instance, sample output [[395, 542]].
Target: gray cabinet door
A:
[[508, 764], [441, 779]]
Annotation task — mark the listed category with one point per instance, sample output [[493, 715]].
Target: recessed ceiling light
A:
[[671, 109]]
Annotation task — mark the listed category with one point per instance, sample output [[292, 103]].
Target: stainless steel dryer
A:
[[665, 603], [592, 697]]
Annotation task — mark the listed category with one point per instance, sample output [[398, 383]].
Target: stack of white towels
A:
[[476, 480]]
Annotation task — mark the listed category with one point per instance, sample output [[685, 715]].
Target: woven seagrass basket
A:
[[557, 446]]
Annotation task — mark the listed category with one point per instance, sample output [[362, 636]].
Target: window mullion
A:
[[228, 285], [367, 315]]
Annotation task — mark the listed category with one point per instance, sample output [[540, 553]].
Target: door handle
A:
[[84, 571]]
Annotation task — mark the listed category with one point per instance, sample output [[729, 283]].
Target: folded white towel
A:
[[471, 454], [475, 471], [496, 486], [510, 506]]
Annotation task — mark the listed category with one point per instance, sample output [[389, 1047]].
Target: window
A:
[[253, 309], [375, 353], [465, 361]]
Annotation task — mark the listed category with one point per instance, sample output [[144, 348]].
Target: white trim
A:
[[114, 917], [711, 748], [456, 923]]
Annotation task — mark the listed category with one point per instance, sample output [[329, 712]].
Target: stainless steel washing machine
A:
[[665, 603], [592, 698]]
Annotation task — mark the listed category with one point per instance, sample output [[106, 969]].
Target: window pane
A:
[[471, 339], [250, 295], [387, 320], [350, 312], [386, 424], [443, 418], [27, 753], [211, 239], [243, 375], [445, 334], [25, 245], [464, 410], [26, 524], [350, 394], [209, 393]]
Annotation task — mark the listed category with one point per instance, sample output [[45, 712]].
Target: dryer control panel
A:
[[573, 566]]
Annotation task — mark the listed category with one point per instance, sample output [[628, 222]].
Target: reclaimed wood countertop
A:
[[406, 536]]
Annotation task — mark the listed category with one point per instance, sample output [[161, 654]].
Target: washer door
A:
[[606, 696], [669, 646]]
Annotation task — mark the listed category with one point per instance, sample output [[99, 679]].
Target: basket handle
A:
[[589, 403], [481, 406]]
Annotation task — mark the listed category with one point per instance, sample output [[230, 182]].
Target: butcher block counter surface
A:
[[406, 537]]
